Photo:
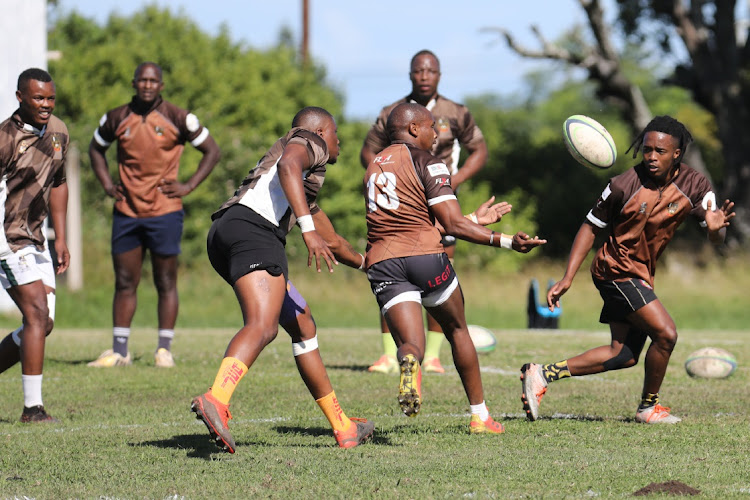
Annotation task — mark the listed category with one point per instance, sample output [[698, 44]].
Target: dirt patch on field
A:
[[670, 488]]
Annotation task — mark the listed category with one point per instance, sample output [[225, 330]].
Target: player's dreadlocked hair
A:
[[667, 125]]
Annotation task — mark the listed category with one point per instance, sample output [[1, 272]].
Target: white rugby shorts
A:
[[26, 266]]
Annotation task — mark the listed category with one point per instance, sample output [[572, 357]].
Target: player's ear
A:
[[413, 129]]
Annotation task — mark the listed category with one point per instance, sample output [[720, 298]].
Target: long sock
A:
[[333, 412], [10, 352], [432, 346], [556, 371], [389, 345], [481, 410], [32, 390], [230, 373], [165, 339], [648, 400], [120, 336]]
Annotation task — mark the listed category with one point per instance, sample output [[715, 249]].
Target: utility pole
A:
[[304, 49]]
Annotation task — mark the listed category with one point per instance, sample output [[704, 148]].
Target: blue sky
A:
[[366, 46]]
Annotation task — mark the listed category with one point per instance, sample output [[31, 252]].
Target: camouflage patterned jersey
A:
[[31, 163]]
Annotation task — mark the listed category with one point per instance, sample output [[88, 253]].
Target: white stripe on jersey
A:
[[99, 140], [267, 198], [4, 247], [201, 137], [440, 199], [595, 221]]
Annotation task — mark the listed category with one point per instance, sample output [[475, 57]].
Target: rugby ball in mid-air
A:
[[589, 142], [483, 339], [710, 362]]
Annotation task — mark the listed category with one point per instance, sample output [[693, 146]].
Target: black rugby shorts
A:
[[240, 241], [621, 298], [428, 279]]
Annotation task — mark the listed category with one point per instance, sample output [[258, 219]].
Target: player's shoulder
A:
[[55, 124], [311, 140]]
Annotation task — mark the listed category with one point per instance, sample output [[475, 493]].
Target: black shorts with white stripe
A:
[[623, 297]]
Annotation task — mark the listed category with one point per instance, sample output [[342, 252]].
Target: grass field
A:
[[128, 432]]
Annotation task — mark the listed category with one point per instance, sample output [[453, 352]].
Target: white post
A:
[[74, 274]]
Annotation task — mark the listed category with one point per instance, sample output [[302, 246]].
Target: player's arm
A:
[[97, 155], [341, 248], [58, 211], [211, 155], [717, 221], [582, 245], [473, 164], [448, 213], [487, 213], [292, 163]]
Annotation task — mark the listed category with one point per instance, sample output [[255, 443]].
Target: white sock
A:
[[32, 390], [481, 410]]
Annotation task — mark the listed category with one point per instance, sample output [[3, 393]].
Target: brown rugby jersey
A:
[[261, 190], [401, 184], [149, 146], [453, 122], [31, 163], [643, 217]]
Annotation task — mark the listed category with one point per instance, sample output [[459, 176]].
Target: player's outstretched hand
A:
[[524, 243], [555, 292], [487, 213], [717, 219], [173, 188], [318, 249]]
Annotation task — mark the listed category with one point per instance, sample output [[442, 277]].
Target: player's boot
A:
[[384, 364], [216, 416], [37, 415], [432, 365], [359, 432], [163, 358], [656, 414], [110, 358], [410, 386], [534, 385], [489, 426]]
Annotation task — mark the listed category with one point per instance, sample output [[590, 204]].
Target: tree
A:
[[246, 97], [716, 72]]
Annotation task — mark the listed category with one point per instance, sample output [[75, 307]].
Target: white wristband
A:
[[362, 266], [506, 241], [306, 223]]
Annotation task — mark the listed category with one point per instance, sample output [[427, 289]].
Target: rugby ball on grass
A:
[[483, 339], [710, 362], [589, 142]]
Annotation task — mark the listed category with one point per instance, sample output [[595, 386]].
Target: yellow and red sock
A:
[[333, 412], [230, 373]]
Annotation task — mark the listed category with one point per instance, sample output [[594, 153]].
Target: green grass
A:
[[128, 433], [701, 292]]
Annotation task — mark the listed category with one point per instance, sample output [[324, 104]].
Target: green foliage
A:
[[247, 98]]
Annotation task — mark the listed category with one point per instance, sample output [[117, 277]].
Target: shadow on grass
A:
[[325, 431], [74, 362], [351, 368], [197, 445]]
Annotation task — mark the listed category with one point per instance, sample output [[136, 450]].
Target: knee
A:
[[50, 326], [267, 335], [624, 358], [667, 338], [165, 282]]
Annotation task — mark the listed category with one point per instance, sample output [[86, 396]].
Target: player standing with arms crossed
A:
[[406, 190], [642, 209], [456, 129], [151, 134], [33, 145]]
